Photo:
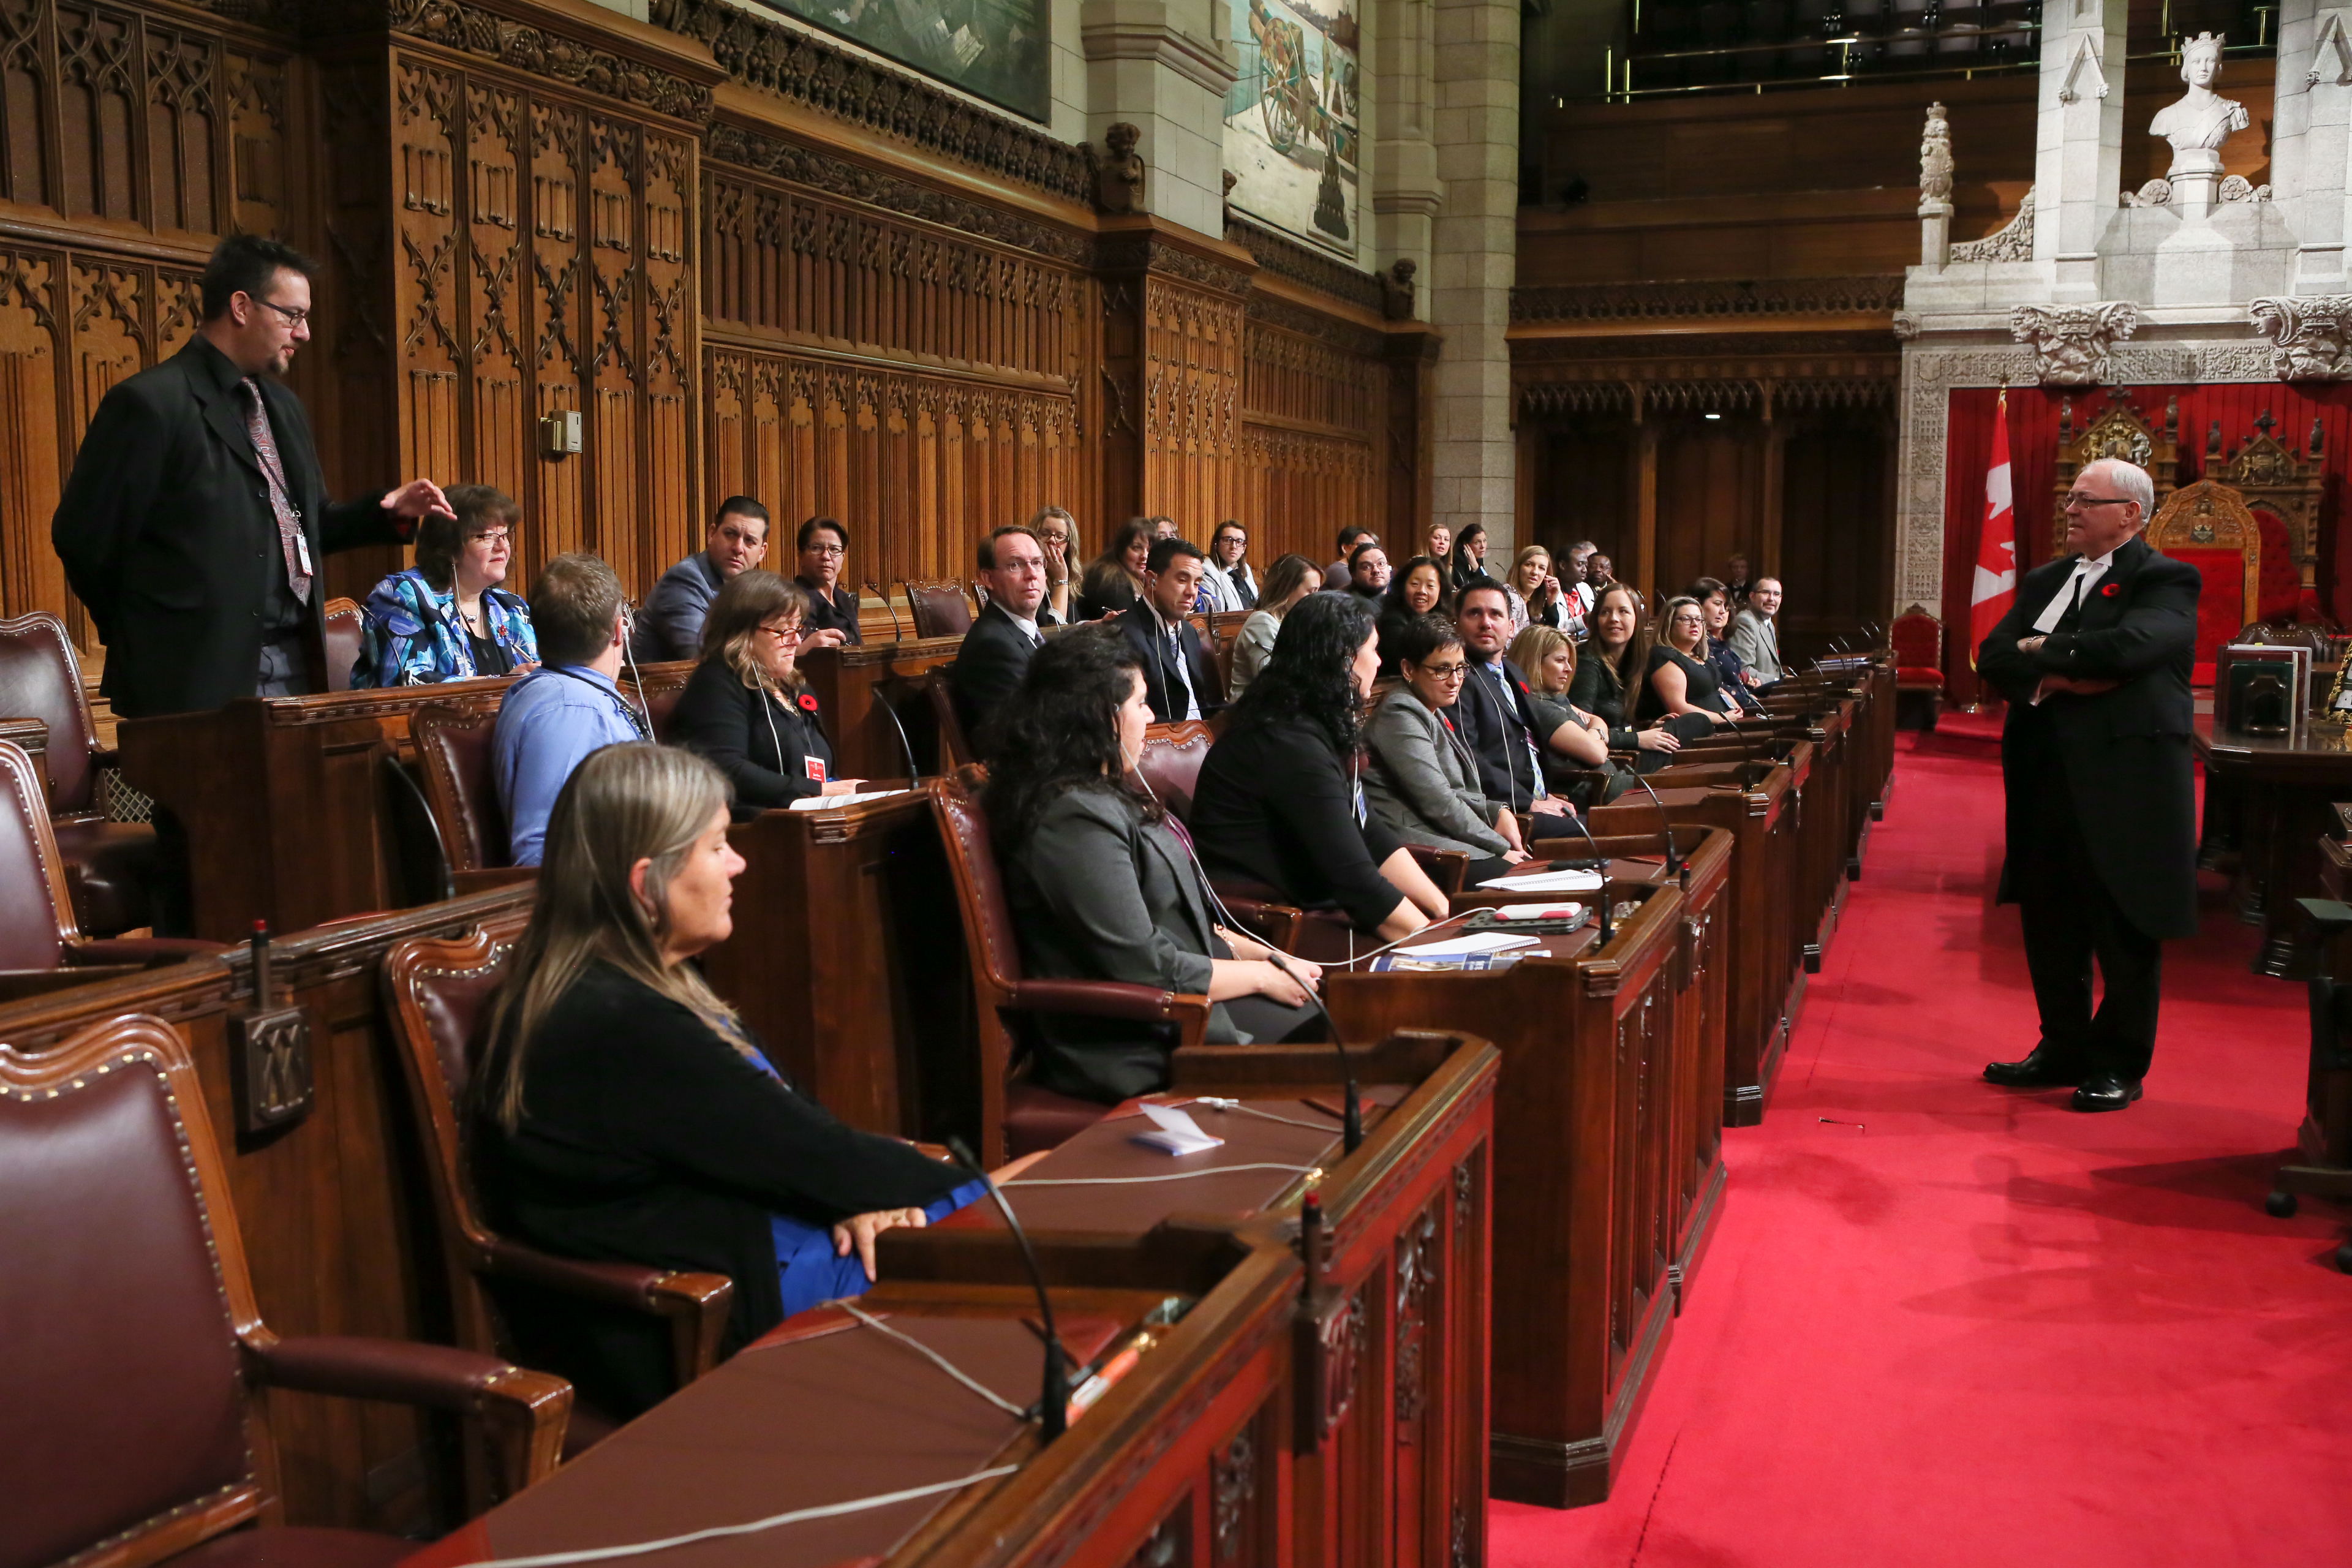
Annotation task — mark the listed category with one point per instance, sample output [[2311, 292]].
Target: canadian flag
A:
[[1996, 582]]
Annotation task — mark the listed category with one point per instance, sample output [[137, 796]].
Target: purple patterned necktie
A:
[[289, 527]]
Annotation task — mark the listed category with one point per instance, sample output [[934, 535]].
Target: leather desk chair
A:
[[659, 687], [955, 747], [453, 754], [41, 943], [342, 643], [939, 609], [133, 1407], [438, 991], [111, 862], [1019, 1117]]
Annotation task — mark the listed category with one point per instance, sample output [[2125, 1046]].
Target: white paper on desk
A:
[[829, 802], [1540, 913], [1548, 882], [1469, 943], [1174, 1131]]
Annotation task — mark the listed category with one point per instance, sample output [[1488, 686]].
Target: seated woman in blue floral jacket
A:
[[446, 618]]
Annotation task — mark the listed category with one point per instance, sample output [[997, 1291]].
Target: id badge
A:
[[815, 767], [302, 550]]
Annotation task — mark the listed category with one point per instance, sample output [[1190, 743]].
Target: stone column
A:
[[2311, 137], [1163, 66], [2078, 151], [1476, 245], [1406, 191]]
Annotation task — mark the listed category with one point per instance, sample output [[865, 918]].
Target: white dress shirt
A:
[[2087, 572]]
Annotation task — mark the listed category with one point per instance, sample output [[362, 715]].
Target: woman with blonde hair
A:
[[747, 707], [1057, 535], [1289, 580], [1534, 593], [622, 1110], [1677, 683]]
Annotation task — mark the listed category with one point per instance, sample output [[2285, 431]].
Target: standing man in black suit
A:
[[996, 651], [1179, 679], [196, 517], [2095, 658]]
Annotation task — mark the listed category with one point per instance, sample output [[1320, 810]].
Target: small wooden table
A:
[[2273, 795]]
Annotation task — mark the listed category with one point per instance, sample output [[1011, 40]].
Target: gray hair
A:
[[2131, 480]]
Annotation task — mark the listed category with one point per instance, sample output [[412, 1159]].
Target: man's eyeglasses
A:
[[2074, 498], [293, 318]]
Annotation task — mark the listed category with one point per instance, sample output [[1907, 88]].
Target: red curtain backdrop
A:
[[2033, 455]]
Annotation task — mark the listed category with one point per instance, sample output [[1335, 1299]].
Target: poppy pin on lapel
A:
[[2108, 591]]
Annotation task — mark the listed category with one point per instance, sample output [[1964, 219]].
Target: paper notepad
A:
[[1548, 882], [829, 802], [1540, 913], [1469, 943], [1174, 1131]]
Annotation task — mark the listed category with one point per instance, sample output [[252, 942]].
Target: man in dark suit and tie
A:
[[1179, 679], [996, 651], [2095, 658], [196, 518]]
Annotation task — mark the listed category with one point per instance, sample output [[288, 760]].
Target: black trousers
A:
[[2071, 919], [1268, 1022]]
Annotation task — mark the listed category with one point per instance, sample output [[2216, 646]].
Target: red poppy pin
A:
[[808, 701], [2108, 590]]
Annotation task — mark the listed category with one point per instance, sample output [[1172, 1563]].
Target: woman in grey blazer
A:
[[1424, 781], [1102, 884]]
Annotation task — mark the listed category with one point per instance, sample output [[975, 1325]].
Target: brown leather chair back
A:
[[955, 747], [1170, 763], [453, 752], [659, 687], [995, 947], [122, 1411], [940, 609], [40, 678], [36, 915], [342, 642]]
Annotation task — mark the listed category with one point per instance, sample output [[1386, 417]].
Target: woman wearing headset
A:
[[1102, 884]]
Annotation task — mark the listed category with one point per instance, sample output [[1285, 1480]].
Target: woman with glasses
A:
[[1677, 682], [1423, 780], [1057, 536], [746, 708], [446, 618]]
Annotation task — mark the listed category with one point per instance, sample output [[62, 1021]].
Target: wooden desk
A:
[[848, 961], [1390, 1461], [2272, 795], [861, 689], [284, 802], [1606, 1179], [1183, 1463], [337, 1221]]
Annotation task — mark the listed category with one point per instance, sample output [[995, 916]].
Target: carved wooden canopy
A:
[[2210, 515], [2118, 429], [2274, 478]]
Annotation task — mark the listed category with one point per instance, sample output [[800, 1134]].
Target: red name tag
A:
[[815, 767]]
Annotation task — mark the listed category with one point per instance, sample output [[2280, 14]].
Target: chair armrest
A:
[[489, 877], [1446, 867], [524, 1412], [1268, 920], [1107, 999], [152, 952], [694, 1305]]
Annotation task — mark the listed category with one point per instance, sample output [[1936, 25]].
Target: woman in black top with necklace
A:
[[1677, 679], [747, 709], [1607, 667]]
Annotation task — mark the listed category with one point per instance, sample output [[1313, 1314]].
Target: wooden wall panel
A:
[[1316, 431]]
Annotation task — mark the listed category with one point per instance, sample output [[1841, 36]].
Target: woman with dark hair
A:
[[1279, 802], [623, 1112], [1469, 555], [1114, 580], [1103, 887], [1417, 590], [1608, 672], [746, 708], [445, 618], [1714, 601], [1676, 680], [1424, 781], [1291, 578]]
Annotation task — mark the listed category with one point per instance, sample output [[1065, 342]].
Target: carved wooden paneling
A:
[[1192, 405], [1316, 432]]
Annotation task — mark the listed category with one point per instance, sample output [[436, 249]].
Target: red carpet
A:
[[1979, 1329]]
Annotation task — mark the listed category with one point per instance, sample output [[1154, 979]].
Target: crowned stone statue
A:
[[2203, 118]]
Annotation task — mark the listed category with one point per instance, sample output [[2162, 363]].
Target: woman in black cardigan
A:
[[1278, 802], [747, 709], [1606, 671], [622, 1111]]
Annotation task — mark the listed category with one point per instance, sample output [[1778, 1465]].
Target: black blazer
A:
[[1163, 686], [646, 1138], [720, 717], [989, 668], [836, 613], [2124, 754], [1499, 732], [1274, 804], [167, 534]]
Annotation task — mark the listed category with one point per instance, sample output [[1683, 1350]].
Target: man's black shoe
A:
[[2106, 1093], [2042, 1068]]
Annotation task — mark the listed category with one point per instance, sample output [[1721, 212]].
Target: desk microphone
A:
[[1673, 860], [914, 774], [1054, 1402], [1747, 757], [1351, 1115], [896, 634], [1581, 827]]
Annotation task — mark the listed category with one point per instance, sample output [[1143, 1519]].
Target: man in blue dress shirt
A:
[[554, 718]]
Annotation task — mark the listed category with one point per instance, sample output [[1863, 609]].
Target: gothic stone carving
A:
[[2311, 339], [1305, 267], [2014, 241], [2074, 344], [1647, 302], [1935, 164], [475, 31], [1118, 182]]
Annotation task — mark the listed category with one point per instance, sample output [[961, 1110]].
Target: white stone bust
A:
[[2203, 118]]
